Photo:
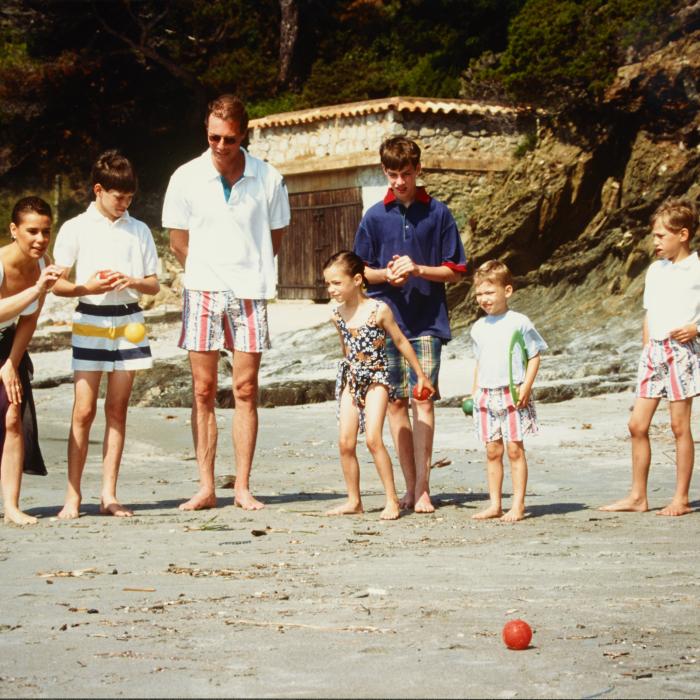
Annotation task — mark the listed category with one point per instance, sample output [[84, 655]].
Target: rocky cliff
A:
[[572, 218]]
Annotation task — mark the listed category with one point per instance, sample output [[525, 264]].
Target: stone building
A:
[[330, 159]]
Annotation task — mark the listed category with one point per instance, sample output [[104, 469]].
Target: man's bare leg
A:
[[639, 423], [347, 446], [494, 476], [423, 432], [119, 384], [204, 367], [85, 389], [402, 435], [12, 465], [685, 457], [245, 424]]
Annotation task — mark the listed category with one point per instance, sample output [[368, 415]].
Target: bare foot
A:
[[200, 501], [347, 508], [70, 510], [424, 504], [391, 511], [408, 501], [14, 516], [514, 514], [488, 513], [631, 504], [245, 499], [676, 508], [116, 509]]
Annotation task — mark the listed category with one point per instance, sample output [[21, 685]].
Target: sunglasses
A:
[[228, 140]]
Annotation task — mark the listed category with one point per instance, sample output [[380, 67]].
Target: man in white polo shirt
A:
[[227, 213]]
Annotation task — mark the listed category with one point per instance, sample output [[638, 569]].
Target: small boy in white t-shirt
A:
[[498, 416], [116, 261], [670, 363]]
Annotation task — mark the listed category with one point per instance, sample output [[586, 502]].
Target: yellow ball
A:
[[135, 332]]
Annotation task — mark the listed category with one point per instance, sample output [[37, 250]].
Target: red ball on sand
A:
[[517, 634], [421, 395]]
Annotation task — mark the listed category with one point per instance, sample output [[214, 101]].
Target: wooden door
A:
[[322, 224]]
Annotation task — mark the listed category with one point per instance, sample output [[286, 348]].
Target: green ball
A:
[[468, 406]]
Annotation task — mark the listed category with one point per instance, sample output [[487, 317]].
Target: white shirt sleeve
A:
[[278, 204], [65, 250], [534, 342], [176, 206], [149, 254]]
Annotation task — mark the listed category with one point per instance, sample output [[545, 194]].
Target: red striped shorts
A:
[[497, 418], [669, 369], [216, 320]]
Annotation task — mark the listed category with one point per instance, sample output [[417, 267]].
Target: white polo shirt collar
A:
[[211, 173], [92, 212]]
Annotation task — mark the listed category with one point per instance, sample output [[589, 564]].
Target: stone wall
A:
[[456, 135]]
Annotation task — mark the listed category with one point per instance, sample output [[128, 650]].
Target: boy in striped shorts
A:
[[670, 363], [497, 416], [116, 261]]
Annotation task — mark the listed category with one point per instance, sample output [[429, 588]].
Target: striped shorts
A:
[[497, 418], [98, 339], [216, 320], [403, 379], [669, 369]]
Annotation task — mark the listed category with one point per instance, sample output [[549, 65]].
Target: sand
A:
[[289, 603]]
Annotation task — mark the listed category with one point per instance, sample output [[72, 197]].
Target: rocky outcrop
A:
[[572, 218]]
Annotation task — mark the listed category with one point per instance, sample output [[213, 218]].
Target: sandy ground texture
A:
[[289, 603]]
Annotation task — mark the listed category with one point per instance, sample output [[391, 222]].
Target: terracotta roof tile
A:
[[385, 104]]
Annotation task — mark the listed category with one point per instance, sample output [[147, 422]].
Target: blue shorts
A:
[[403, 379]]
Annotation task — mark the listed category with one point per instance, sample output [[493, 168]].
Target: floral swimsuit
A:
[[365, 361]]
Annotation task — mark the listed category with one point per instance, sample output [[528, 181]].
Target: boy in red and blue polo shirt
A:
[[411, 248]]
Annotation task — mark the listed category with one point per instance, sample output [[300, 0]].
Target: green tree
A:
[[565, 52]]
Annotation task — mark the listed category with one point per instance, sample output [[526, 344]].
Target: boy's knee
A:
[[680, 428], [515, 450], [115, 412], [84, 414], [637, 429], [494, 450]]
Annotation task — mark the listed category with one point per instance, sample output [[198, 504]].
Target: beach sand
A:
[[289, 603]]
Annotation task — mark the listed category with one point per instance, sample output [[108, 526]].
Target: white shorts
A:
[[217, 320], [496, 417], [669, 369], [98, 339]]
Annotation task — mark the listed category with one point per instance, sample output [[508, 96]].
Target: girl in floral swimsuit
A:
[[362, 386]]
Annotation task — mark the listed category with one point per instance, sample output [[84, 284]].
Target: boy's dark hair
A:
[[493, 271], [27, 205], [114, 171], [677, 213], [350, 262], [230, 108], [398, 152]]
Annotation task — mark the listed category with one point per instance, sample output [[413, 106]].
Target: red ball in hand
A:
[[421, 395], [517, 634]]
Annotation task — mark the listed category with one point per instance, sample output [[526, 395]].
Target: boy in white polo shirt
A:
[[226, 212], [116, 261], [670, 363]]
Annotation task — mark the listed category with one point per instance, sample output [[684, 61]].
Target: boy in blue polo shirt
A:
[[411, 248]]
